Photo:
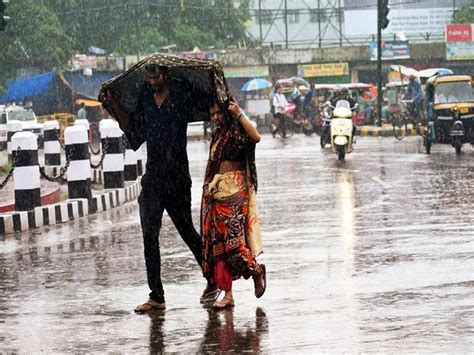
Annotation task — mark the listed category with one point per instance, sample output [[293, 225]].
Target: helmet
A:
[[302, 88], [337, 88], [344, 91]]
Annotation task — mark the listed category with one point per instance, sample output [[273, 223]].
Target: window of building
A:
[[265, 17], [314, 16], [293, 16]]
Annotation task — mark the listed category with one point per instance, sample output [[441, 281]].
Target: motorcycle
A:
[[342, 129]]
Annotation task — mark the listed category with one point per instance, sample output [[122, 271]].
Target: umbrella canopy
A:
[[426, 73], [204, 78], [352, 86], [300, 81], [256, 84]]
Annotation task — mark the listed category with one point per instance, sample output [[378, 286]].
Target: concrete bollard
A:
[[52, 147], [13, 127], [113, 166], [130, 162], [26, 173], [84, 123], [79, 171]]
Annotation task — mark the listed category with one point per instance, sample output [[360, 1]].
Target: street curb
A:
[[67, 210], [385, 131]]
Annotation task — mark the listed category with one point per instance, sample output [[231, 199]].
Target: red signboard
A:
[[459, 33]]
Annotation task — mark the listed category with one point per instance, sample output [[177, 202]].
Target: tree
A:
[[34, 37], [464, 13], [116, 25]]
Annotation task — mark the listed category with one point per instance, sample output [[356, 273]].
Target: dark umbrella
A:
[[204, 78]]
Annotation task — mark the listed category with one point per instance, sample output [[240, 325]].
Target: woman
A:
[[229, 217]]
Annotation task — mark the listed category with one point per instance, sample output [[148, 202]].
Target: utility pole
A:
[[339, 16], [3, 19], [319, 23], [260, 19], [382, 23], [286, 23]]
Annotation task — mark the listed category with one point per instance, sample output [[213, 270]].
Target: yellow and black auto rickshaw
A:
[[450, 106]]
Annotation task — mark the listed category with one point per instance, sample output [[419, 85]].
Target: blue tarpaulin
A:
[[21, 89]]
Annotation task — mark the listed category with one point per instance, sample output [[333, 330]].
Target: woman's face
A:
[[217, 115]]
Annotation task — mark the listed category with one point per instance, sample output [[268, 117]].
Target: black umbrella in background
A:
[[204, 78]]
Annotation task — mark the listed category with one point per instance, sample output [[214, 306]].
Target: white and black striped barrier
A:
[[65, 211], [130, 162], [113, 164], [77, 154], [13, 127], [52, 147], [26, 174]]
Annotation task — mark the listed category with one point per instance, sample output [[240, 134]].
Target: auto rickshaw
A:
[[450, 106]]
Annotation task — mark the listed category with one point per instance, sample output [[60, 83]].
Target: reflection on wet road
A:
[[371, 255]]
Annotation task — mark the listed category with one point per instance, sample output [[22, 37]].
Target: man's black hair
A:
[[156, 68]]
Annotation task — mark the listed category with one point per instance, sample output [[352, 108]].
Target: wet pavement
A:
[[374, 254]]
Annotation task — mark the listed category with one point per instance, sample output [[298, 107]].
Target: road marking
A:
[[381, 182]]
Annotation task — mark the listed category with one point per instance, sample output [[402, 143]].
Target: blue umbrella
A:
[[256, 84]]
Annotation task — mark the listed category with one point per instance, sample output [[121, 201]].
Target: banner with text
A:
[[259, 71], [325, 69], [459, 42]]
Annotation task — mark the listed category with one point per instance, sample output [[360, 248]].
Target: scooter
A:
[[342, 129]]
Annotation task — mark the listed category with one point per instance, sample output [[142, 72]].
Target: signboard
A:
[[459, 42], [391, 50], [199, 55], [325, 69], [409, 16], [459, 33], [82, 61], [247, 72], [460, 50]]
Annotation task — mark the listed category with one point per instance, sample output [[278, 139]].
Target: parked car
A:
[[26, 116]]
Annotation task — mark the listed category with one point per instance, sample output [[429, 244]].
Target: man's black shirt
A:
[[164, 129]]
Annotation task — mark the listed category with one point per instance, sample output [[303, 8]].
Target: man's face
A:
[[157, 80]]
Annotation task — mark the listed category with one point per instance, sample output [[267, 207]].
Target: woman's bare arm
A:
[[244, 121]]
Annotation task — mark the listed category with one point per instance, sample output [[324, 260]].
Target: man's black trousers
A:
[[177, 202]]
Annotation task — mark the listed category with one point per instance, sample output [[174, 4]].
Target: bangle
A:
[[239, 117], [205, 186]]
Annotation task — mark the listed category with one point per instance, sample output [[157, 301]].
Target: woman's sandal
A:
[[260, 282], [149, 305], [210, 296], [223, 304]]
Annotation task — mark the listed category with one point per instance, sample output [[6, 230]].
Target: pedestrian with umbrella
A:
[[153, 102]]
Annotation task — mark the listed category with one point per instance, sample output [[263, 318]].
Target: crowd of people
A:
[[310, 103]]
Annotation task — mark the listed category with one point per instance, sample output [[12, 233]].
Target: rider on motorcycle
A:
[[342, 93]]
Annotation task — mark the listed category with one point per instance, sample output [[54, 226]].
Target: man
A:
[[161, 119], [279, 103], [415, 93], [82, 113]]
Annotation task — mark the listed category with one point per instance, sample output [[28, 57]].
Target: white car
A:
[[25, 116]]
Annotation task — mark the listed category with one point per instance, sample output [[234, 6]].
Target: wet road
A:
[[371, 255]]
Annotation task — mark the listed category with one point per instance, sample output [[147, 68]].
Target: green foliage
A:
[[464, 13], [45, 33], [116, 25], [34, 37]]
